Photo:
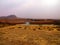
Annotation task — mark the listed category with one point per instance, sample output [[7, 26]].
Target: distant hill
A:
[[11, 16], [8, 17], [12, 19]]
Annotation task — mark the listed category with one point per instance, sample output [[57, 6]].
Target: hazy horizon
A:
[[43, 9]]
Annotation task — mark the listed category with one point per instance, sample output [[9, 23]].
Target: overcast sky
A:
[[31, 8]]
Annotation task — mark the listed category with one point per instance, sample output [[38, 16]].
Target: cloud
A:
[[30, 8]]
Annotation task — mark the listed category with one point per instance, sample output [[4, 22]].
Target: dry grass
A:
[[30, 35]]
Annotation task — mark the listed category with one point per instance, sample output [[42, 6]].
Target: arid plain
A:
[[19, 31], [22, 34]]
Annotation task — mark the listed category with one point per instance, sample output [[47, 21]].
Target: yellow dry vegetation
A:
[[22, 34]]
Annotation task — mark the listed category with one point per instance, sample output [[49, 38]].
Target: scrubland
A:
[[22, 34]]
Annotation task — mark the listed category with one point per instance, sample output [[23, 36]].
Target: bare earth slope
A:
[[30, 35]]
